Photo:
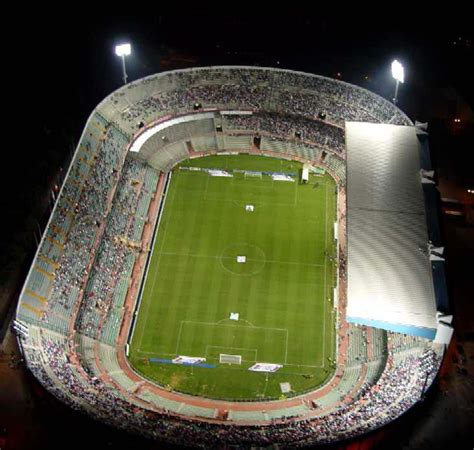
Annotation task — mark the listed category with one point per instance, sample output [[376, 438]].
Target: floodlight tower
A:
[[399, 75], [123, 50]]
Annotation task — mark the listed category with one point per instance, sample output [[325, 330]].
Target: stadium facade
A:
[[77, 307]]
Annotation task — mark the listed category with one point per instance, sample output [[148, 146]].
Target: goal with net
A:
[[230, 359], [252, 174]]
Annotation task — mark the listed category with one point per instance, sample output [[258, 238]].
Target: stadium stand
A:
[[74, 300]]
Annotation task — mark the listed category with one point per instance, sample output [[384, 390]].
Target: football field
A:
[[252, 247]]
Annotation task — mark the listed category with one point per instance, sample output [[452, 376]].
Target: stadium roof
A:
[[390, 283]]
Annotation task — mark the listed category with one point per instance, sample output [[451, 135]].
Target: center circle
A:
[[254, 259]]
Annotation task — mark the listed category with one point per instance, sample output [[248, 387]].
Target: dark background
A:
[[64, 65]]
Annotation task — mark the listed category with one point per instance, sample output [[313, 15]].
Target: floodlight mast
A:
[[122, 51], [398, 74]]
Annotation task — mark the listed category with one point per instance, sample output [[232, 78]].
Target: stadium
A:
[[241, 256]]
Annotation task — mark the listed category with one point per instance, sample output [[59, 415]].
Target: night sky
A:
[[65, 65]]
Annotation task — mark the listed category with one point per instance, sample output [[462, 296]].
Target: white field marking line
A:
[[273, 204], [259, 204], [142, 330], [332, 327], [242, 203], [332, 320], [325, 270], [271, 261], [159, 257], [240, 320], [232, 348], [178, 341], [289, 365], [235, 326], [234, 364], [148, 262], [210, 357], [248, 259], [245, 274], [231, 325]]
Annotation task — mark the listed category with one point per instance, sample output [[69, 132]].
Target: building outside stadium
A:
[[182, 234]]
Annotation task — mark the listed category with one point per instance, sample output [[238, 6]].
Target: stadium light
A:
[[123, 50], [399, 75]]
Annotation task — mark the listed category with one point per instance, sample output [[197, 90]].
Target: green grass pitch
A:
[[282, 293]]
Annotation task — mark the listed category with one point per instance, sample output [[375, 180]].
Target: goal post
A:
[[230, 359], [252, 174]]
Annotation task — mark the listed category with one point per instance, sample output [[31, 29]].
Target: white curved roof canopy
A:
[[390, 282], [147, 134]]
